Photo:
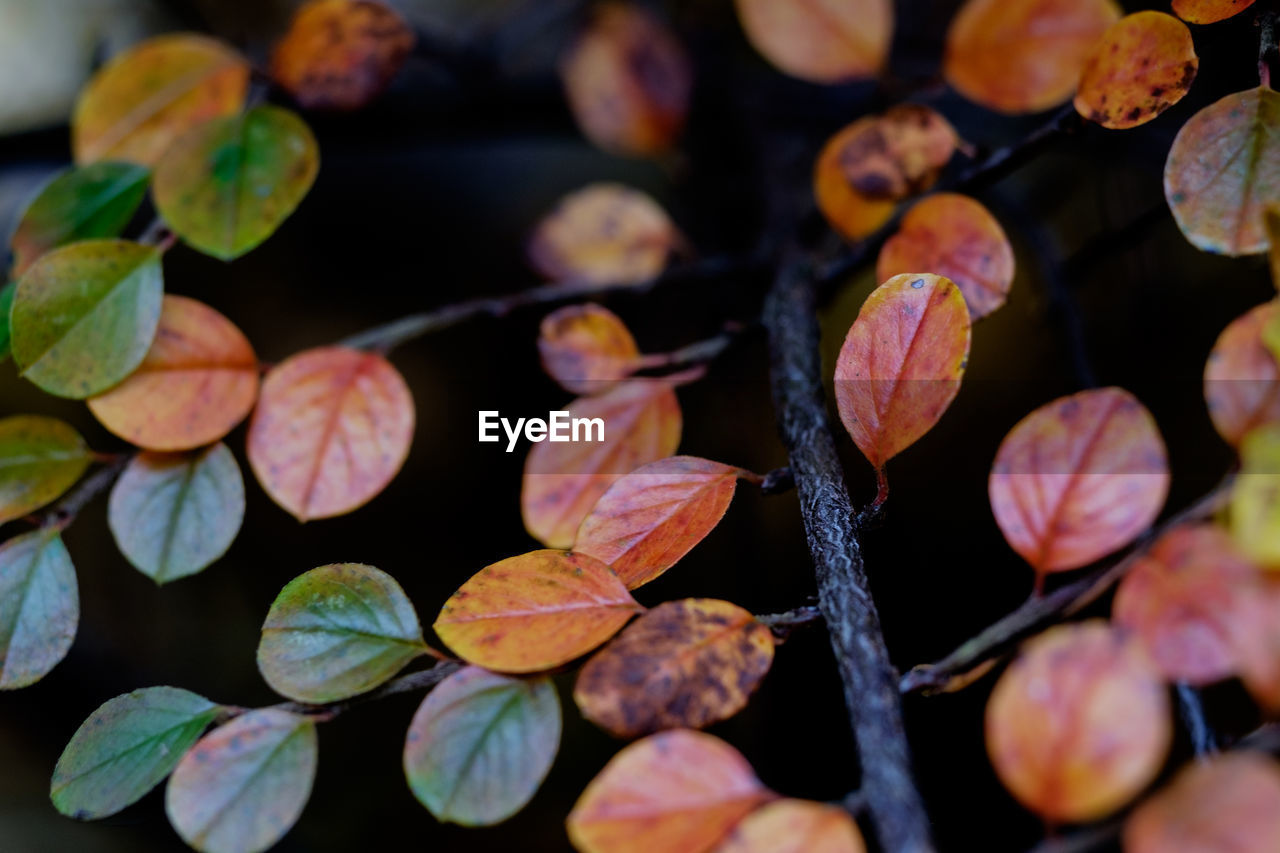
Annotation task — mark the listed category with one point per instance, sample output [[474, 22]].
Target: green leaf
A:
[[228, 184], [40, 458], [84, 315], [243, 786], [481, 744], [337, 631], [81, 203], [39, 607], [6, 303], [173, 514], [125, 748]]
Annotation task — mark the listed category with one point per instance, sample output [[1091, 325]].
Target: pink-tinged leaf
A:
[[1241, 377]]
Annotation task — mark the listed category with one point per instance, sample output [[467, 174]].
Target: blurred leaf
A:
[[1079, 478], [81, 203], [148, 96], [39, 606], [332, 428], [243, 786], [1209, 11], [795, 826], [1254, 633], [6, 303], [85, 314], [586, 348], [198, 380], [173, 515], [678, 792], [852, 214], [337, 631], [683, 664], [822, 41], [481, 744], [1255, 497], [227, 185], [1143, 65], [1223, 802], [125, 748], [1241, 377], [40, 458], [535, 611], [1271, 219]]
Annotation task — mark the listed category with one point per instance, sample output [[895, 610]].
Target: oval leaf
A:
[[332, 428], [535, 611], [1223, 172], [227, 185], [1209, 11], [649, 519], [1143, 65], [148, 96], [562, 481], [173, 515], [84, 315], [125, 748], [822, 41], [82, 203], [40, 458], [198, 380], [1078, 478], [586, 348], [337, 631], [953, 236], [901, 363], [1255, 497], [481, 744], [795, 826], [39, 607], [684, 664], [678, 792], [1241, 377]]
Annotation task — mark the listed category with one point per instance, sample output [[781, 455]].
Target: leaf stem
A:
[[423, 679], [64, 512]]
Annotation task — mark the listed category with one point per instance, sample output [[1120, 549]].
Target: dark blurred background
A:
[[426, 198]]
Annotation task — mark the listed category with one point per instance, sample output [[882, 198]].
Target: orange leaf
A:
[[822, 41], [649, 519], [954, 236], [563, 481], [535, 611], [1209, 11], [1078, 478], [148, 96], [586, 348], [795, 826], [901, 363], [341, 54], [1144, 64], [603, 234], [628, 81], [1023, 56], [1181, 599], [676, 792], [1241, 377], [1229, 802], [331, 430], [685, 663], [1255, 645], [198, 380], [1079, 723]]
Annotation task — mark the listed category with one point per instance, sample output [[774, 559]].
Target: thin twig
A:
[[424, 679], [800, 616], [1191, 711], [61, 514]]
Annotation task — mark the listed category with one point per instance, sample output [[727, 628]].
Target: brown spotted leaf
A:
[[586, 348], [1143, 65], [1241, 377], [822, 41]]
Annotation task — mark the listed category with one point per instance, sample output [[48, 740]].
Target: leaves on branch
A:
[[1241, 376], [795, 826], [40, 458], [586, 348], [1209, 11], [39, 606], [822, 41], [1144, 64]]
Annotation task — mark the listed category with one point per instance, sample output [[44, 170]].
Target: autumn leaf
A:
[[145, 98], [795, 826], [337, 631], [603, 234], [822, 41], [955, 237], [173, 515], [586, 348], [39, 606], [481, 744], [332, 428], [125, 748], [535, 611], [80, 203], [1223, 171], [1254, 510], [628, 81], [84, 315], [40, 458], [1078, 478], [243, 785], [1241, 376], [1143, 65], [563, 481], [1209, 11], [340, 54], [198, 381], [901, 363], [1079, 723], [679, 792], [684, 664], [1023, 56], [227, 185], [1254, 633]]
